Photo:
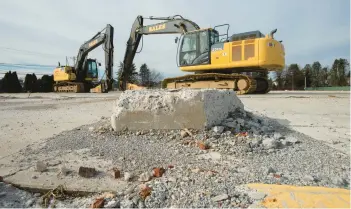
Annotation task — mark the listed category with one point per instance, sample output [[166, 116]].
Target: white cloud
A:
[[311, 30]]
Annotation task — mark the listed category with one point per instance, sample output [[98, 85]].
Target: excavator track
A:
[[69, 87], [241, 84], [263, 85]]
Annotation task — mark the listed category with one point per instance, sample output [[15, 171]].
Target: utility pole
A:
[[74, 60], [292, 80]]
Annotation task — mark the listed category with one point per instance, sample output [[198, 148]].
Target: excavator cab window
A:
[[195, 48], [214, 37], [92, 69]]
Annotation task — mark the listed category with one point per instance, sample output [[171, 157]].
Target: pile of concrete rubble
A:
[[187, 149]]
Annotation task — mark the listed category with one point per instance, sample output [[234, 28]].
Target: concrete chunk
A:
[[41, 166], [165, 109]]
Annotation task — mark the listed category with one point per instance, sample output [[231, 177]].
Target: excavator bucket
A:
[[131, 86], [101, 88]]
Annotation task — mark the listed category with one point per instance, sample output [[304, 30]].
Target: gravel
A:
[[249, 149], [11, 197]]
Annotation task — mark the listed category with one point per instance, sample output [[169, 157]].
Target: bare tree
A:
[[155, 78]]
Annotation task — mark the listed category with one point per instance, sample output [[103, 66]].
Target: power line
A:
[[28, 51], [24, 65], [25, 73]]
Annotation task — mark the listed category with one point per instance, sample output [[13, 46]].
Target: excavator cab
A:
[[92, 70], [195, 47]]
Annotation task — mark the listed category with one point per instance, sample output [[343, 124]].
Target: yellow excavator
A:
[[84, 76], [240, 62]]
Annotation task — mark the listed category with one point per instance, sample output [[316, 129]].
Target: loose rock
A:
[[112, 204], [41, 166], [87, 172], [183, 134], [254, 142], [341, 182], [127, 204], [116, 173], [127, 176], [202, 145], [98, 203], [29, 202], [269, 171], [269, 143], [144, 177], [278, 136], [292, 139], [308, 178], [218, 129], [219, 197], [230, 124], [64, 171], [257, 195], [158, 172]]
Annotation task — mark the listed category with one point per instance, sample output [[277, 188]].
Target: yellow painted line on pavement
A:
[[287, 196]]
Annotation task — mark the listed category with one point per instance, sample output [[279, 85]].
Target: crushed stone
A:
[[203, 178]]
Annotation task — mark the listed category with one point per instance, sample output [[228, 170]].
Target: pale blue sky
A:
[[311, 30]]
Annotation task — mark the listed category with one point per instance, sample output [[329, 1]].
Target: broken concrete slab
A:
[[87, 172], [165, 109], [21, 175], [50, 181]]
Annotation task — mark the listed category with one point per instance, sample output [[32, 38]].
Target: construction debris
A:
[[183, 133], [145, 191], [127, 176], [98, 203], [41, 166], [116, 173], [64, 171], [50, 198], [158, 172], [164, 109], [144, 177], [87, 172], [203, 167], [202, 145], [112, 204], [107, 195]]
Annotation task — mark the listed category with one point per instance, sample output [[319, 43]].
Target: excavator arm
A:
[[101, 37], [170, 25]]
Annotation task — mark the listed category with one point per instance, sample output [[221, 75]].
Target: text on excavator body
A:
[[92, 43], [157, 27]]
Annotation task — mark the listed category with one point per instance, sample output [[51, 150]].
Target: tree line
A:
[[312, 75], [10, 83], [144, 77]]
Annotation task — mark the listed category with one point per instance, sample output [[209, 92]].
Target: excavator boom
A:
[[101, 37], [171, 25], [84, 74]]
